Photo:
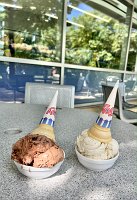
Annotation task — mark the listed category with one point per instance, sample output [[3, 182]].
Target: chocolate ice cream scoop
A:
[[37, 151]]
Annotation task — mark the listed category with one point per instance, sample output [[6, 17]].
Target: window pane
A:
[[131, 86], [13, 77], [96, 33], [132, 56], [88, 84], [31, 29]]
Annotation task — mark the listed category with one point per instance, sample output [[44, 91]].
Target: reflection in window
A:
[[131, 86], [88, 83], [95, 38], [132, 56], [32, 30], [13, 77]]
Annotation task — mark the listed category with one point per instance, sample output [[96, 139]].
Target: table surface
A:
[[72, 181]]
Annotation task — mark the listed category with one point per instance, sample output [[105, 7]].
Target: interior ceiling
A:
[[98, 5], [107, 11]]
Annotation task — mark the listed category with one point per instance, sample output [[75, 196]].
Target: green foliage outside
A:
[[98, 44]]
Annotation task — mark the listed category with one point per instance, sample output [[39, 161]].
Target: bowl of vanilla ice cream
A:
[[96, 155]]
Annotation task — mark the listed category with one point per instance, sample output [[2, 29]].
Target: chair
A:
[[41, 93], [125, 104], [124, 115]]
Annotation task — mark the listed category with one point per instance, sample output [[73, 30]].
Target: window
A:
[[13, 77], [93, 47], [88, 83], [96, 34], [31, 29], [132, 55], [131, 86]]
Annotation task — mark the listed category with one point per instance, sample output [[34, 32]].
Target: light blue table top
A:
[[72, 181]]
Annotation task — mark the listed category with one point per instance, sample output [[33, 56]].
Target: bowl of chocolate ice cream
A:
[[37, 173], [37, 156]]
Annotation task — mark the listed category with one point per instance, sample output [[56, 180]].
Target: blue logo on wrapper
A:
[[104, 123], [107, 112], [49, 117], [47, 121]]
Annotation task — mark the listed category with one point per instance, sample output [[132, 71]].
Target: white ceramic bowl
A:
[[96, 165], [38, 173]]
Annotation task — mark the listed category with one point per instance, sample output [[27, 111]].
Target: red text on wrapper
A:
[[51, 111], [107, 110]]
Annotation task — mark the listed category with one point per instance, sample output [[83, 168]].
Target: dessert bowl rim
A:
[[97, 161], [38, 169]]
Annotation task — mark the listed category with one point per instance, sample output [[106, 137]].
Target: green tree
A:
[[103, 38]]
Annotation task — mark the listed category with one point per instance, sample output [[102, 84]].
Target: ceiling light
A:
[[10, 5], [51, 15], [76, 24]]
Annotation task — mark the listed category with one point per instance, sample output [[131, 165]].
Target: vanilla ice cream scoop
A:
[[95, 149]]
